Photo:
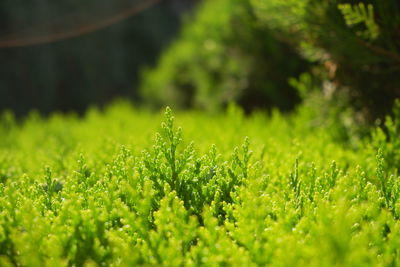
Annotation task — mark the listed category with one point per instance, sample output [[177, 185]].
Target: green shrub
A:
[[386, 139], [224, 54], [103, 190]]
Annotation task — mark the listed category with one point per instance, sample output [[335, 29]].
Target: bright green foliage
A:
[[227, 190], [361, 14], [387, 138]]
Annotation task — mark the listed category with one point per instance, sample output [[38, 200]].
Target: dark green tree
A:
[[357, 44]]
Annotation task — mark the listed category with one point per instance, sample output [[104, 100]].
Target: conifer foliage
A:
[[107, 192], [355, 42]]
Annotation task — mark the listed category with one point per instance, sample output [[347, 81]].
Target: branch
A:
[[379, 50]]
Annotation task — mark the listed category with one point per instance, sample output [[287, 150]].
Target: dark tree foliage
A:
[[363, 39], [356, 43]]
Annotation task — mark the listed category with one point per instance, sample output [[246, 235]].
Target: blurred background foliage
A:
[[224, 54], [88, 70], [251, 50], [337, 56]]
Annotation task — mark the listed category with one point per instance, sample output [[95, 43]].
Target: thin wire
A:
[[76, 31]]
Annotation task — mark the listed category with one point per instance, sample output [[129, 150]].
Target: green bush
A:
[[224, 54], [104, 191]]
